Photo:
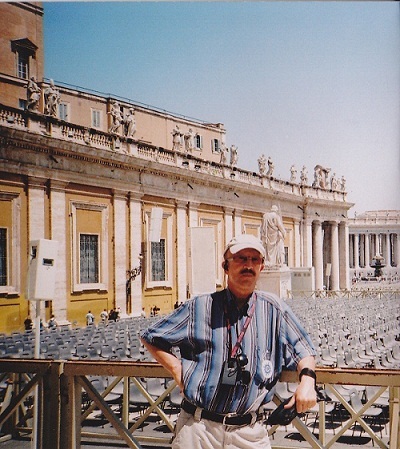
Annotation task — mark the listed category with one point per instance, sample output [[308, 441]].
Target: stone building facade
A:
[[87, 175], [373, 236]]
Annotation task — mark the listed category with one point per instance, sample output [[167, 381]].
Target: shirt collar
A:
[[232, 305]]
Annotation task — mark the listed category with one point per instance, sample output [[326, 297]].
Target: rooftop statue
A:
[[51, 100], [176, 139], [293, 173], [304, 176], [343, 184], [273, 235], [271, 167], [33, 94], [262, 162], [234, 156], [321, 176], [130, 123], [188, 137], [116, 117], [334, 182], [224, 154]]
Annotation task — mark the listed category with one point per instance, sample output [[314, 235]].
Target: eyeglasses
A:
[[243, 260]]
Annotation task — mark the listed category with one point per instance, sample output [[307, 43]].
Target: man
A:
[[28, 323], [104, 315], [89, 318], [233, 346], [52, 321]]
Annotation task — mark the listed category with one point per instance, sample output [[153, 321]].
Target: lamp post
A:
[[132, 274]]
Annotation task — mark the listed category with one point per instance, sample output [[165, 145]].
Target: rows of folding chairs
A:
[[353, 333], [336, 414], [138, 402], [114, 340]]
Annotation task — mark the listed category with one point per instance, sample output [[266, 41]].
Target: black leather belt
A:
[[229, 420]]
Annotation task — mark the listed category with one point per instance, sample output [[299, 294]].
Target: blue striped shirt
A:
[[273, 340]]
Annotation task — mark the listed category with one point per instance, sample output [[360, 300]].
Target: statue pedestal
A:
[[275, 280]]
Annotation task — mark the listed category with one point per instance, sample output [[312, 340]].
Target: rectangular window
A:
[[3, 257], [198, 142], [215, 146], [22, 104], [63, 111], [23, 66], [158, 261], [96, 116], [89, 259]]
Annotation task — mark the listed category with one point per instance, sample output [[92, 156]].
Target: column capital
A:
[[193, 205], [56, 185], [135, 196], [333, 222], [36, 183], [181, 204], [228, 209], [119, 194]]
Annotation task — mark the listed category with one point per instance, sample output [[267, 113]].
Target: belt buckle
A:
[[228, 415]]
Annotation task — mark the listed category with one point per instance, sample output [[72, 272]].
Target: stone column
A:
[[356, 252], [297, 244], [334, 279], [307, 243], [237, 222], [120, 255], [361, 246], [36, 213], [344, 272], [351, 251], [58, 220], [366, 252], [387, 255], [135, 243], [317, 251], [181, 249], [193, 214], [36, 208], [228, 222]]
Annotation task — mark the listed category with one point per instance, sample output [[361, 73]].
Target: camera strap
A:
[[235, 349]]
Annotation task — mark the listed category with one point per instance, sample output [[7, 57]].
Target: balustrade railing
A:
[[59, 129], [68, 393]]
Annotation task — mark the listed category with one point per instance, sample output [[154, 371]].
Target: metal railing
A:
[[61, 385]]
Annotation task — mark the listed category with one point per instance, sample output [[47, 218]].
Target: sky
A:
[[304, 83]]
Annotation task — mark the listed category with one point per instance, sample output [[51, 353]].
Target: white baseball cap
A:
[[245, 241]]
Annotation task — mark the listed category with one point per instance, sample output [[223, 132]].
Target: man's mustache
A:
[[248, 270]]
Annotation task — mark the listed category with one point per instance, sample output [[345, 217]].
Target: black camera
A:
[[233, 371], [244, 374], [229, 375]]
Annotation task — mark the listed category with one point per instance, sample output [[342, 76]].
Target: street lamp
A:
[[132, 274]]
